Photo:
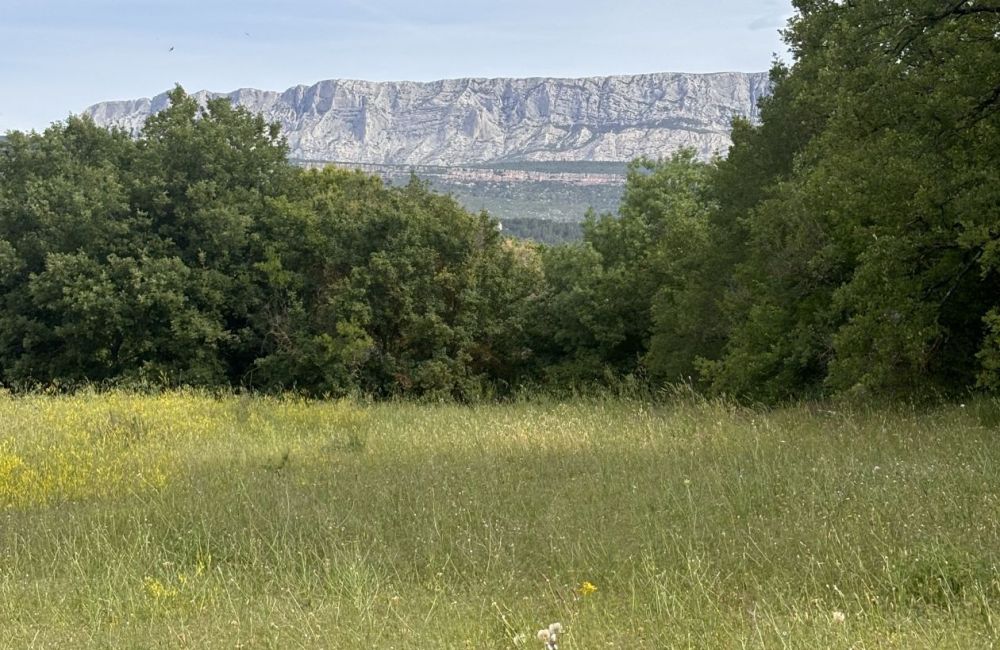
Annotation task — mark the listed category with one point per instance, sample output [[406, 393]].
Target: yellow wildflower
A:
[[157, 590]]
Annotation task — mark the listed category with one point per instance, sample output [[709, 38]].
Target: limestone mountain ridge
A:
[[500, 120]]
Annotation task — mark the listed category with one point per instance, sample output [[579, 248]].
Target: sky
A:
[[58, 57]]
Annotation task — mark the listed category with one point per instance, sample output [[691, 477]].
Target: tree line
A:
[[848, 243]]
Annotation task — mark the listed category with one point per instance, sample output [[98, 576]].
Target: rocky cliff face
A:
[[467, 121]]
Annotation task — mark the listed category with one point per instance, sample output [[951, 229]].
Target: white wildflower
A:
[[550, 637]]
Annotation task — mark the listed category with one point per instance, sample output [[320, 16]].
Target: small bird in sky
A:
[[171, 49]]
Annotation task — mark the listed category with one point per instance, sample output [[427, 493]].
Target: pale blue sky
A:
[[59, 56]]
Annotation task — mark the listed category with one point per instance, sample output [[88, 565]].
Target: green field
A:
[[187, 521]]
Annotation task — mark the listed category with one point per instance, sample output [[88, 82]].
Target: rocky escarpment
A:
[[467, 121]]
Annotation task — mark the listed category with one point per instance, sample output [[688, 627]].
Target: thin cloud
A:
[[768, 21]]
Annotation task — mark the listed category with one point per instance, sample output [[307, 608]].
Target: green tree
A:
[[593, 321], [387, 291], [127, 258], [62, 193], [866, 266]]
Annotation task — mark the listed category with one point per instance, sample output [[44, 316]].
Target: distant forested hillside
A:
[[539, 201], [543, 191], [544, 231]]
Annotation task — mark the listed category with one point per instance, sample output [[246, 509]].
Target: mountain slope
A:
[[470, 121]]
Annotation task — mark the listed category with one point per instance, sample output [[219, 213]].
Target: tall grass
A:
[[185, 520]]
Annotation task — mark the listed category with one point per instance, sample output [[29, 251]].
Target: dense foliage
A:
[[543, 231], [867, 262], [849, 242], [196, 254]]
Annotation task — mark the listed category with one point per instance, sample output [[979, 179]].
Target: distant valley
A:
[[541, 201]]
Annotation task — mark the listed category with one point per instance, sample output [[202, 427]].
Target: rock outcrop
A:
[[469, 121]]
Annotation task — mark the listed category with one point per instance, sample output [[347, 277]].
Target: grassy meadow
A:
[[184, 520]]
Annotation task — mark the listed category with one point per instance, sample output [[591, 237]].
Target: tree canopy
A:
[[846, 243], [196, 254]]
